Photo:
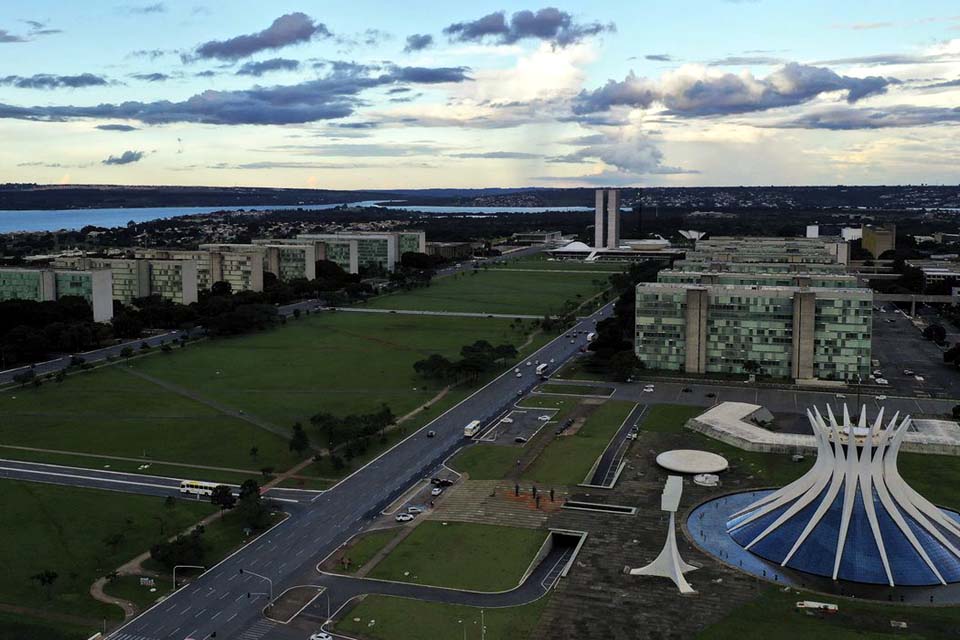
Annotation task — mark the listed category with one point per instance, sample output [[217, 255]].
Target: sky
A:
[[419, 94]]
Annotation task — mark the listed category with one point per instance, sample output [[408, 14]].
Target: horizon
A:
[[498, 95]]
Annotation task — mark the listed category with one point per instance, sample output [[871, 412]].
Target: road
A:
[[288, 554]]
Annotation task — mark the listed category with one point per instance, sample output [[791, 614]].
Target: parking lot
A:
[[520, 424], [898, 346]]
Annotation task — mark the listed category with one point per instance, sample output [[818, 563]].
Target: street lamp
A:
[[257, 575]]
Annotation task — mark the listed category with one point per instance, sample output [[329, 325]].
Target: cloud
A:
[[37, 28], [146, 9], [333, 96], [49, 81], [498, 155], [659, 57], [150, 77], [418, 42], [127, 157], [691, 91], [888, 59], [629, 152], [362, 150], [846, 119], [743, 61], [369, 38], [548, 24], [289, 29], [153, 54], [948, 84], [266, 66], [116, 127], [7, 37]]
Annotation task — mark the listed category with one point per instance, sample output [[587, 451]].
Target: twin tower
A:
[[607, 220]]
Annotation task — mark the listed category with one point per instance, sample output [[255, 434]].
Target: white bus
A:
[[542, 370], [197, 488], [471, 429]]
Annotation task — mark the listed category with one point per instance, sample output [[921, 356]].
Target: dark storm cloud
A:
[[266, 66], [289, 29], [333, 96], [692, 95], [150, 77], [50, 81], [845, 119], [116, 127], [418, 42], [549, 24], [127, 157]]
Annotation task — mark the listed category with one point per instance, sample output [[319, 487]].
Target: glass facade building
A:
[[93, 285]]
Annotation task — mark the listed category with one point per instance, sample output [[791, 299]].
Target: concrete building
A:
[[606, 231], [536, 237], [353, 250], [632, 251], [451, 250], [174, 280], [820, 250], [879, 239], [93, 285], [790, 332], [243, 270], [759, 267], [287, 261], [828, 280]]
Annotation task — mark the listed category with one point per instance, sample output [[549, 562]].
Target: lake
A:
[[57, 219]]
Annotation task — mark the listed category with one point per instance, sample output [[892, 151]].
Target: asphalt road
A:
[[120, 481], [288, 554]]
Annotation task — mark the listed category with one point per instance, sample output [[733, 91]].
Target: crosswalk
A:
[[130, 636], [257, 631]]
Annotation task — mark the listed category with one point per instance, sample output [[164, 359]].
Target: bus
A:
[[197, 488], [542, 370], [471, 429]]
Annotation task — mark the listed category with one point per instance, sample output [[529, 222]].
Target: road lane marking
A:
[[91, 478]]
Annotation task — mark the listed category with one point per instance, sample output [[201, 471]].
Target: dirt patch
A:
[[580, 413]]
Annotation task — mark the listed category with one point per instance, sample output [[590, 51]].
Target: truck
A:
[[471, 429], [591, 336], [542, 370]]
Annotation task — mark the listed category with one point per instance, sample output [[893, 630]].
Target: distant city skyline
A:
[[426, 94]]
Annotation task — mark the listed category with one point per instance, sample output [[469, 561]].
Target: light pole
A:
[[184, 566], [257, 575]]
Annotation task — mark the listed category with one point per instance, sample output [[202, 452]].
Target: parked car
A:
[[520, 440], [881, 398], [882, 381], [320, 635], [441, 482], [908, 372], [436, 491], [507, 421], [403, 517], [686, 390], [840, 396], [544, 418], [414, 510], [711, 394]]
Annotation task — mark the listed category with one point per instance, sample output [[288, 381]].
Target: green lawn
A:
[[496, 291], [61, 529], [668, 418], [390, 618], [773, 616], [21, 627], [575, 389], [568, 459], [130, 589], [603, 269], [460, 555], [486, 461], [367, 546]]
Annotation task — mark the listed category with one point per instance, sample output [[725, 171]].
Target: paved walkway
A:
[[494, 502]]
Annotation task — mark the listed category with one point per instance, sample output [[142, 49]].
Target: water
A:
[[70, 219]]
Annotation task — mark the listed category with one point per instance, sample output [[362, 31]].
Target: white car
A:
[[517, 370], [908, 372], [840, 396], [882, 381], [881, 398], [403, 517], [648, 389], [918, 378], [414, 510], [519, 375], [543, 418], [436, 491], [507, 421], [529, 364], [320, 635]]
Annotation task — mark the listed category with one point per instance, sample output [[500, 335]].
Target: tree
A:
[[751, 366], [45, 579], [223, 497], [936, 333], [249, 488], [952, 355], [254, 451], [221, 288], [623, 365], [25, 378], [299, 441], [956, 411]]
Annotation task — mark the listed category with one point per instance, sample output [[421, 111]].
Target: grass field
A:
[[463, 556], [61, 529], [367, 546], [15, 626], [541, 262], [335, 362], [575, 389], [496, 291], [568, 459], [390, 618], [773, 616], [669, 417]]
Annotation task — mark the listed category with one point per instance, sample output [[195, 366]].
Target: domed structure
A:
[[852, 516]]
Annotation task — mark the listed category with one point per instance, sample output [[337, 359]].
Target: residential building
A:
[[879, 239], [93, 285], [790, 332]]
